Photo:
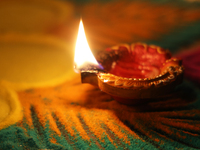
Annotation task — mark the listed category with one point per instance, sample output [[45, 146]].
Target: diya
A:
[[133, 73]]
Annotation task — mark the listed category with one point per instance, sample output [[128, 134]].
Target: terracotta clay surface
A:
[[140, 61], [139, 71]]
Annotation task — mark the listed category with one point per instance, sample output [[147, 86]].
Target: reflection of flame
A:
[[83, 54]]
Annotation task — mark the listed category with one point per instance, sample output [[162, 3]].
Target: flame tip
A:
[[83, 52]]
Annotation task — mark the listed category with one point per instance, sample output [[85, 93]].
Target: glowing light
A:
[[83, 54]]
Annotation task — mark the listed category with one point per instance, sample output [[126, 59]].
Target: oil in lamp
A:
[[129, 73]]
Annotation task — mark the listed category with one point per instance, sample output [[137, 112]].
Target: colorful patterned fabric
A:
[[79, 116], [76, 116]]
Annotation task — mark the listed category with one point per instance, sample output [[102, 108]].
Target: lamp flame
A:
[[83, 54]]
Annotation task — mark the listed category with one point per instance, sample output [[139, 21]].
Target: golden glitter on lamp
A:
[[129, 73]]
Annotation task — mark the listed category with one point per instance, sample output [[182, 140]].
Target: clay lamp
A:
[[133, 73]]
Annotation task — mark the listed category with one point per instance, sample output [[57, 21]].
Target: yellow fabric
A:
[[10, 108], [32, 61]]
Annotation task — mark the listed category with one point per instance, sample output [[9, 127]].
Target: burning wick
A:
[[84, 60]]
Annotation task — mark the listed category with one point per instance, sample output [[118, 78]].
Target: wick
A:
[[88, 66]]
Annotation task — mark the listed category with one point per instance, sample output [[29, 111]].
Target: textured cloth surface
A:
[[11, 111], [79, 116]]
